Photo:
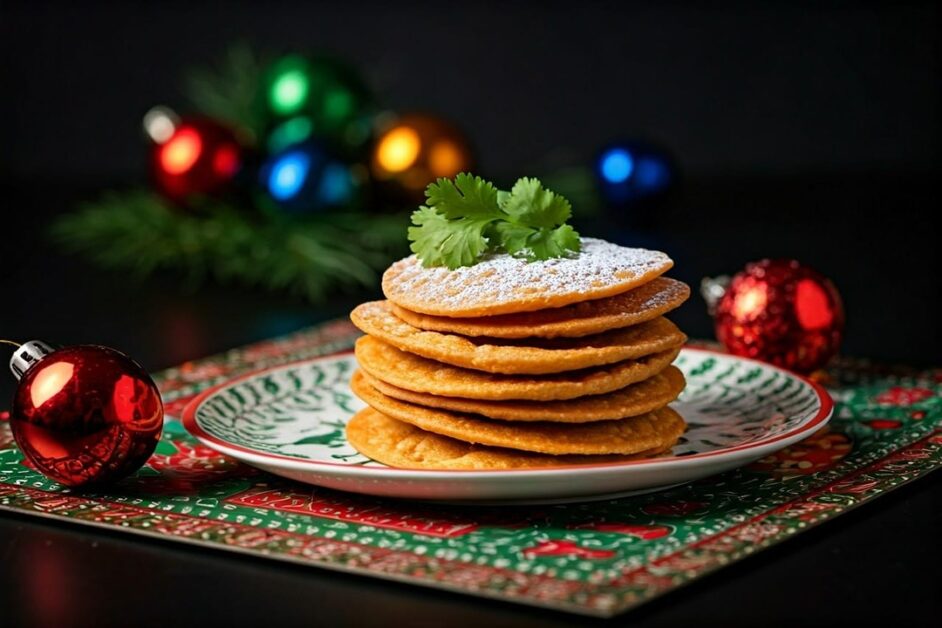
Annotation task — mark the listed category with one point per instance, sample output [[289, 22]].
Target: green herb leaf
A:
[[531, 204], [466, 196], [537, 244], [438, 241], [547, 243], [513, 237], [466, 218]]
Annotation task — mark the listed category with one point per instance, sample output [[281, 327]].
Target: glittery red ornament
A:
[[83, 414], [782, 312], [195, 157]]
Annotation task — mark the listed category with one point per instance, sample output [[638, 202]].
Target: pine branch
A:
[[230, 92], [139, 231]]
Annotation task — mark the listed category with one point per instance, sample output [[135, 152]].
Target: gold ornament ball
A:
[[414, 150]]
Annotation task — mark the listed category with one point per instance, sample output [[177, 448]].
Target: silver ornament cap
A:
[[28, 354], [712, 290]]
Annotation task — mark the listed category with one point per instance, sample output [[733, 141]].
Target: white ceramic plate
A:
[[289, 420]]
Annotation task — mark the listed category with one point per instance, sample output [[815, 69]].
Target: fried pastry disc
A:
[[641, 304], [652, 431], [411, 372], [533, 356], [502, 284], [655, 392], [405, 446]]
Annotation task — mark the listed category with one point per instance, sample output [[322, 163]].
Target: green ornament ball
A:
[[316, 98]]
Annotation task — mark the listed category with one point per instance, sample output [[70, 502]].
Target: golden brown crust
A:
[[655, 430], [655, 392], [501, 284], [418, 374], [531, 357], [405, 446], [641, 304]]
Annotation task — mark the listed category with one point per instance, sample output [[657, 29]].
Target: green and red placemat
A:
[[596, 558]]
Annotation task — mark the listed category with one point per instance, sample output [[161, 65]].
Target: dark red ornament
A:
[[197, 157], [84, 414], [778, 311]]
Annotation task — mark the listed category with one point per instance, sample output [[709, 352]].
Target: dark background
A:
[[805, 130], [732, 88]]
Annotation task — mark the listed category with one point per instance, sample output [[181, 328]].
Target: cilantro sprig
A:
[[465, 218]]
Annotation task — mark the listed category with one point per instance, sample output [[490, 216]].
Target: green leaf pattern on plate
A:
[[295, 410], [301, 410]]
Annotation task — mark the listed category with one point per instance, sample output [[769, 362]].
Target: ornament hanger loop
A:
[[4, 341], [26, 355]]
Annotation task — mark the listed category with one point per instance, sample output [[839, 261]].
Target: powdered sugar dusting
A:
[[504, 284], [668, 291]]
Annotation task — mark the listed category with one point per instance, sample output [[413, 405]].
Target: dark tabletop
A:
[[873, 234]]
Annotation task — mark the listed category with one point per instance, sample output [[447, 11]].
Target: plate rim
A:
[[188, 419]]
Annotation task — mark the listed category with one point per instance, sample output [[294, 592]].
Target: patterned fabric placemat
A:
[[597, 558]]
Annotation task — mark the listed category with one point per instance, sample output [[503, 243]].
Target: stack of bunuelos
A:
[[512, 364]]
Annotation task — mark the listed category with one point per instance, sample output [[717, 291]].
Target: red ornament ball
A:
[[198, 157], [782, 312], [86, 414]]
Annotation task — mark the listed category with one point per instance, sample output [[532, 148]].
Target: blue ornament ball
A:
[[632, 171], [304, 178]]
